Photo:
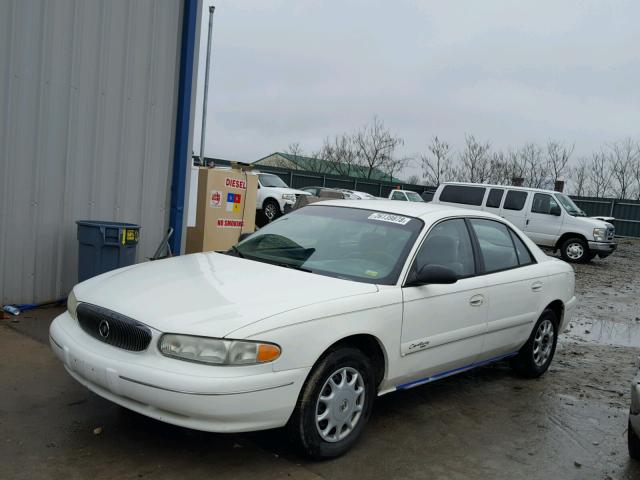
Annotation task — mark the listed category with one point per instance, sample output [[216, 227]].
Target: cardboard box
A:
[[226, 207]]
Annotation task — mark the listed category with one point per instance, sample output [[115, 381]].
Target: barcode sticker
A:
[[388, 217]]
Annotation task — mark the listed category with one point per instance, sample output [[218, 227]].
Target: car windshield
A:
[[349, 243], [268, 180], [571, 208], [414, 197]]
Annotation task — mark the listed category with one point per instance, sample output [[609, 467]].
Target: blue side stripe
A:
[[447, 373]]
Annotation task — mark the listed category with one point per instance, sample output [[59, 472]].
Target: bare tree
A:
[[636, 176], [375, 146], [599, 174], [437, 165], [579, 177], [395, 165], [558, 156], [414, 179], [623, 157], [534, 167], [474, 161], [295, 149], [340, 155]]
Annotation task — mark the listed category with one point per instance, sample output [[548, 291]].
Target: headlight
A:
[[600, 234], [72, 304], [290, 197], [217, 351]]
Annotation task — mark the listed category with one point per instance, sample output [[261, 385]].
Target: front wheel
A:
[[271, 210], [633, 442], [535, 356], [575, 250], [334, 404]]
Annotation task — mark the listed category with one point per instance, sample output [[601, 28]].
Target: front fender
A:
[[304, 334]]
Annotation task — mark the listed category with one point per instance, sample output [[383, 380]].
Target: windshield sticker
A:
[[387, 217], [371, 273]]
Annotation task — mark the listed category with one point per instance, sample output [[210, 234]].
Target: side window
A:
[[449, 245], [543, 203], [515, 200], [524, 255], [495, 197], [462, 194], [398, 196], [496, 246]]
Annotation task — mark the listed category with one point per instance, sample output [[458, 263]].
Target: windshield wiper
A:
[[235, 250], [291, 265]]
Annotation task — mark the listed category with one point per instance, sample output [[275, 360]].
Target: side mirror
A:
[[433, 274], [555, 210]]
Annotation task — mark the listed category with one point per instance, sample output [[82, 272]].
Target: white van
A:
[[549, 218]]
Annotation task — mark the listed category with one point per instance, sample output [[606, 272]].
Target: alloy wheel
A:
[[543, 342]]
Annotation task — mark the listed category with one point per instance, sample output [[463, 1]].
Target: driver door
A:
[[542, 225], [443, 325]]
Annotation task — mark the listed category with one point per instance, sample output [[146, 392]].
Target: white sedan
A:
[[309, 319]]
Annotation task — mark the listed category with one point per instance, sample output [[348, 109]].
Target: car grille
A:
[[113, 328], [610, 233]]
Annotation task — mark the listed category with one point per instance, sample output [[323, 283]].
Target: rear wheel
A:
[[575, 250], [633, 442], [536, 355], [334, 405]]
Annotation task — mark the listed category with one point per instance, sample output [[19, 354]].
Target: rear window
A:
[[495, 197], [462, 194], [515, 200]]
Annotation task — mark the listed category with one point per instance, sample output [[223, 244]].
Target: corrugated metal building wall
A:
[[87, 117]]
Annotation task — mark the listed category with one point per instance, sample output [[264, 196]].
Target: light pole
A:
[[206, 86]]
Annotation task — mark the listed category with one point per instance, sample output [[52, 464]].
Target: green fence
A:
[[625, 212]]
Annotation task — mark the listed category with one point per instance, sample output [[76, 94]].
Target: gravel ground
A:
[[487, 423]]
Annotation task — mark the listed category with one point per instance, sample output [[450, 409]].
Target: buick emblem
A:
[[103, 329]]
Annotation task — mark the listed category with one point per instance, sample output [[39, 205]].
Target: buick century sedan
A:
[[305, 322]]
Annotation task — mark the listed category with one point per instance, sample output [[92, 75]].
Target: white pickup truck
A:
[[274, 196], [549, 218]]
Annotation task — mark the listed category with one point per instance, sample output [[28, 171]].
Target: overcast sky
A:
[[506, 71]]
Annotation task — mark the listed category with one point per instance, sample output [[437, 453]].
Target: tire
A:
[[575, 250], [633, 442], [351, 404], [271, 210], [536, 355]]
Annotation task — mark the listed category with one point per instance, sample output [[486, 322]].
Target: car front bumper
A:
[[202, 397], [603, 248]]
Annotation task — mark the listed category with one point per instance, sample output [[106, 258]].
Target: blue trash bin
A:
[[105, 246]]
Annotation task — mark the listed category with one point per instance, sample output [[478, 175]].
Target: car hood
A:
[[281, 190], [595, 222], [210, 294]]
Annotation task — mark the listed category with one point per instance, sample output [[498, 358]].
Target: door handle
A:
[[527, 222], [537, 286], [476, 300]]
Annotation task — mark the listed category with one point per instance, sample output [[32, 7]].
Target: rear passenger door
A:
[[513, 207], [514, 283], [494, 200]]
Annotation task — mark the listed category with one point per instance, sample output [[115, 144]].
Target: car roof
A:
[[423, 210], [510, 187]]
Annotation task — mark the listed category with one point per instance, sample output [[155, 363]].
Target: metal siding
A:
[[87, 110]]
